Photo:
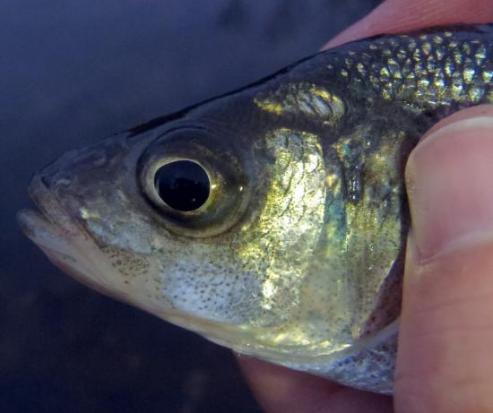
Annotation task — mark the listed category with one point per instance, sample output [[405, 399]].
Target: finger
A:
[[279, 389], [444, 362], [398, 16]]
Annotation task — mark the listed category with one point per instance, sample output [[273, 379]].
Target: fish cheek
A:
[[278, 244]]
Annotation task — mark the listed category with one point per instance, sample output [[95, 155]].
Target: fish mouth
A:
[[65, 242], [50, 226]]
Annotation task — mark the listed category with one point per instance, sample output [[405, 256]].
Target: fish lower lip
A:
[[37, 227]]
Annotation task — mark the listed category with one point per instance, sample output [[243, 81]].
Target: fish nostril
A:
[[45, 181]]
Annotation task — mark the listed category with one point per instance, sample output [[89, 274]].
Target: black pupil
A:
[[183, 185]]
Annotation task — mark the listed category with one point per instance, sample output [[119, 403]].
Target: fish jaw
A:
[[66, 244]]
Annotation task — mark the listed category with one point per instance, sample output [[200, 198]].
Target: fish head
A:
[[235, 230]]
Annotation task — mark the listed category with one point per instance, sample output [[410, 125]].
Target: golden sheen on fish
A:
[[271, 220]]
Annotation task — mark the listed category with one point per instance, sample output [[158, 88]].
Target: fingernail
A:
[[449, 180]]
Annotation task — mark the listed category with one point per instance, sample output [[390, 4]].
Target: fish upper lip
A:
[[42, 197], [49, 215]]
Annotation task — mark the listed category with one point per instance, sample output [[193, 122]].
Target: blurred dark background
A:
[[72, 72]]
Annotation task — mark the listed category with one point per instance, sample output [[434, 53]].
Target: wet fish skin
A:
[[296, 257]]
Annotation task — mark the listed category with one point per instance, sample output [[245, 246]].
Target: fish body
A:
[[271, 220]]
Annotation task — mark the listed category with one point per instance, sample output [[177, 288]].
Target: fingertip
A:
[[282, 390], [400, 16]]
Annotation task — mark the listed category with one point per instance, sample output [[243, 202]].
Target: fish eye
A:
[[183, 185], [196, 184]]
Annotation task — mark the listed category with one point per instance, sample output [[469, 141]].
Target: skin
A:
[[444, 361]]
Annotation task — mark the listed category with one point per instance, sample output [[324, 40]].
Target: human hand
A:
[[444, 362]]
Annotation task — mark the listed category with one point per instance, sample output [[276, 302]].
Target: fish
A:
[[273, 219]]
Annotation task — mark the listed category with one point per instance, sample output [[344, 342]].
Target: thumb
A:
[[445, 361]]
